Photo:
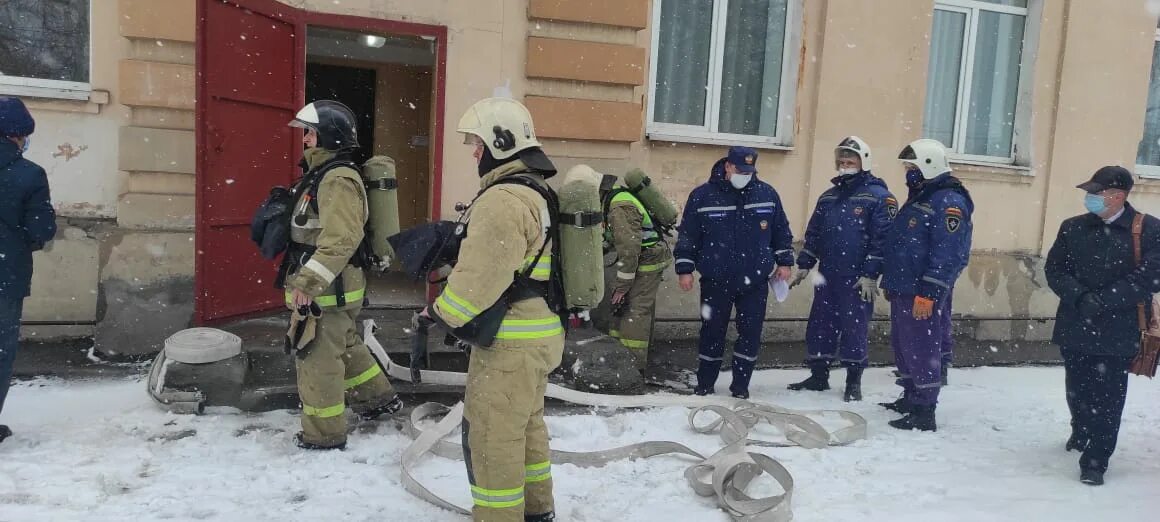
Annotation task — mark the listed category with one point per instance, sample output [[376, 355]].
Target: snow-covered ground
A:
[[103, 451]]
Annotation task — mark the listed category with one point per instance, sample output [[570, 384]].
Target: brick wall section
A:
[[581, 69], [157, 82]]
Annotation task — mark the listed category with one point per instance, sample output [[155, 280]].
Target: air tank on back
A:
[[382, 203], [581, 238], [662, 210]]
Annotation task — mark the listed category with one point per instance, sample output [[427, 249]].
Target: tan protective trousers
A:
[[634, 327], [505, 440], [338, 370]]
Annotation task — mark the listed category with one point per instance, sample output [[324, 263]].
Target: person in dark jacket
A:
[[846, 233], [1091, 267], [734, 232], [926, 251], [27, 222]]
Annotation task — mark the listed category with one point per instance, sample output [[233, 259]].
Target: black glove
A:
[[1090, 305]]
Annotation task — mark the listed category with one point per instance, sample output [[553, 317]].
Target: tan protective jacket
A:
[[335, 230], [507, 226]]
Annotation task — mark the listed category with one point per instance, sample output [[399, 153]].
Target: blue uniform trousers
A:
[[838, 325], [10, 310], [918, 348], [717, 302], [948, 344]]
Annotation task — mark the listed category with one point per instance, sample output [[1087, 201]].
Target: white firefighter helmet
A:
[[857, 146], [503, 124], [930, 156]]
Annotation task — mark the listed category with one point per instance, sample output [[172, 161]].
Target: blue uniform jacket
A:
[[733, 237], [27, 220], [849, 226], [930, 242]]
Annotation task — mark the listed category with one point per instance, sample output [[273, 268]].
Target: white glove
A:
[[799, 276], [868, 287]]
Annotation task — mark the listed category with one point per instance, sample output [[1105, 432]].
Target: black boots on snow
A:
[[543, 517], [315, 447], [386, 408], [1092, 477], [4, 432], [902, 405], [1076, 442], [921, 417], [853, 385], [819, 379]]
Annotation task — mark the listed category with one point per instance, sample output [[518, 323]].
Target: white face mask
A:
[[847, 172], [739, 181]]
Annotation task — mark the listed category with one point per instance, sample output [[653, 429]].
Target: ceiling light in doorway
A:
[[371, 40]]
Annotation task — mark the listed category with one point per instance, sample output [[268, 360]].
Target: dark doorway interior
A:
[[354, 87]]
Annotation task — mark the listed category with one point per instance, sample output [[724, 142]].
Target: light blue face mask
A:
[[1094, 203]]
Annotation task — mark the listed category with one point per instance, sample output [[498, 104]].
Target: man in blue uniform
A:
[[27, 222], [734, 232], [846, 234], [927, 249]]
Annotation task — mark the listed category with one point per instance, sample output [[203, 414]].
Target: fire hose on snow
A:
[[729, 471]]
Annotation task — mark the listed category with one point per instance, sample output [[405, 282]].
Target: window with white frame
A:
[[44, 48], [1148, 155], [973, 82], [722, 71]]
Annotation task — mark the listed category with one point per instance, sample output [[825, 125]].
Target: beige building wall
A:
[[122, 164]]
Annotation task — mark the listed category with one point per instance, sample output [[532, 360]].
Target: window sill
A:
[[1148, 172], [1148, 184], [757, 143], [90, 106], [993, 172]]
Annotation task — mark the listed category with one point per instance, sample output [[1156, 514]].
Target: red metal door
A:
[[250, 66]]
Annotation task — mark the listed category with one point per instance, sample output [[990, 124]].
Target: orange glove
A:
[[923, 308]]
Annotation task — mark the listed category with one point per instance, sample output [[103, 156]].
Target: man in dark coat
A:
[[27, 222], [1091, 267]]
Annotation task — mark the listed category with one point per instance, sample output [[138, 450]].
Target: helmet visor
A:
[[472, 139], [302, 125]]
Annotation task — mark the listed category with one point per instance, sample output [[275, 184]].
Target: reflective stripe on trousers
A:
[[538, 472], [497, 498], [530, 328], [628, 343], [324, 413], [363, 377]]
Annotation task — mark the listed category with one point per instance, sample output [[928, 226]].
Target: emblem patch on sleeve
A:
[[954, 219], [891, 207]]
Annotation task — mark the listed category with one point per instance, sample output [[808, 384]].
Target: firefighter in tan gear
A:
[[505, 439], [336, 369], [641, 259]]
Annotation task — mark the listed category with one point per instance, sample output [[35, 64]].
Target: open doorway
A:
[[388, 81]]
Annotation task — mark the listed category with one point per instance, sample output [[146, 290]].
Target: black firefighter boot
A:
[[316, 447], [902, 405], [4, 432], [920, 418], [542, 517], [387, 408], [853, 391], [819, 379]]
